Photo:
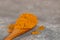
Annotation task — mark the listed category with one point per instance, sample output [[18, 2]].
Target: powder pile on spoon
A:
[[24, 23]]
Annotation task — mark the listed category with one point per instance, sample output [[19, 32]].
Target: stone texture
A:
[[47, 11]]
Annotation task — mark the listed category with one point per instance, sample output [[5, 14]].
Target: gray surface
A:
[[47, 11]]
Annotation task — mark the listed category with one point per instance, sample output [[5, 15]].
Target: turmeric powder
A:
[[41, 28], [24, 23], [37, 31], [10, 28]]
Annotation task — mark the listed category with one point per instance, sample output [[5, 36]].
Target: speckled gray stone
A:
[[47, 11]]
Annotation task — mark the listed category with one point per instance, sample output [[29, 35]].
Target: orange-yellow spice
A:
[[24, 23], [35, 32], [10, 28], [41, 28]]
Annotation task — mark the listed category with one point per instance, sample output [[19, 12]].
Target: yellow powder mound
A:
[[24, 23]]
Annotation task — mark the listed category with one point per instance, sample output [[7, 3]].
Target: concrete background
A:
[[47, 11]]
